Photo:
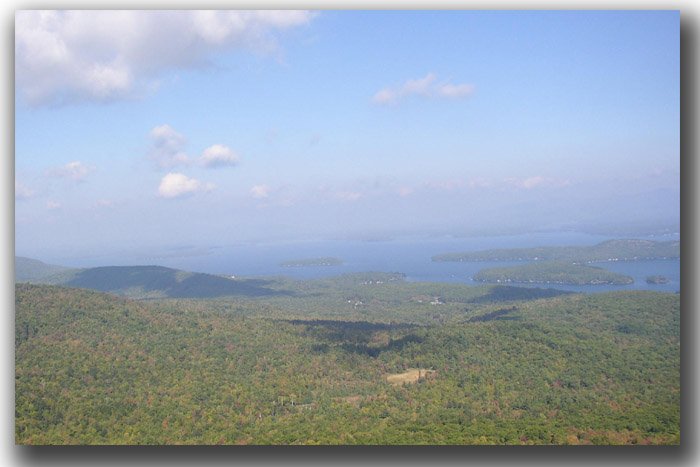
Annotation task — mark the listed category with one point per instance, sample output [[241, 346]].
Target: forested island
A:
[[353, 359], [312, 262], [611, 250], [552, 272], [657, 280]]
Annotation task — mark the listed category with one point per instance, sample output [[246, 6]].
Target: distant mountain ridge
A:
[[142, 281], [33, 270], [610, 250]]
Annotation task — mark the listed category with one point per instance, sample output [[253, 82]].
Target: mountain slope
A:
[[610, 250], [33, 270], [96, 369], [162, 282], [142, 281]]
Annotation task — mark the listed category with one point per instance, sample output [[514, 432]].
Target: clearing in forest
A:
[[410, 376]]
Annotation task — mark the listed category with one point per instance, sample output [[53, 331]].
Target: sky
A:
[[145, 130]]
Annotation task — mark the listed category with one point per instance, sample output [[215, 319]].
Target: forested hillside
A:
[[473, 365], [33, 270], [146, 281]]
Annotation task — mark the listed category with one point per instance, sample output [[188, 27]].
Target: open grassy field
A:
[[410, 376]]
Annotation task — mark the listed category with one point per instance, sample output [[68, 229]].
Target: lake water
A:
[[411, 256]]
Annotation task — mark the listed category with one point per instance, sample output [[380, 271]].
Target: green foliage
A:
[[500, 293], [162, 282], [572, 369], [552, 272], [657, 280], [32, 270]]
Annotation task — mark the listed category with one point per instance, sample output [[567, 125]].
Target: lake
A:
[[411, 256]]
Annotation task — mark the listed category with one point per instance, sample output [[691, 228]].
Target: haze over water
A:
[[141, 131], [410, 256]]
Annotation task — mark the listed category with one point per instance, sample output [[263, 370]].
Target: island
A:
[[657, 280], [311, 262], [611, 250], [552, 272]]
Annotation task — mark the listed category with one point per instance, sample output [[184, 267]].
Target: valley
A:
[[303, 363]]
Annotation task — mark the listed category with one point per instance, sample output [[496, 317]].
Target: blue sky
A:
[[163, 129]]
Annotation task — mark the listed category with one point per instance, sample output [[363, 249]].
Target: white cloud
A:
[[167, 147], [454, 90], [278, 196], [76, 171], [174, 185], [426, 86], [166, 135], [167, 150], [260, 191], [418, 86], [385, 96], [411, 87], [218, 155], [22, 192], [69, 56], [53, 205]]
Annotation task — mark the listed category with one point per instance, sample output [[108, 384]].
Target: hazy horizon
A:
[[136, 130], [447, 227]]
